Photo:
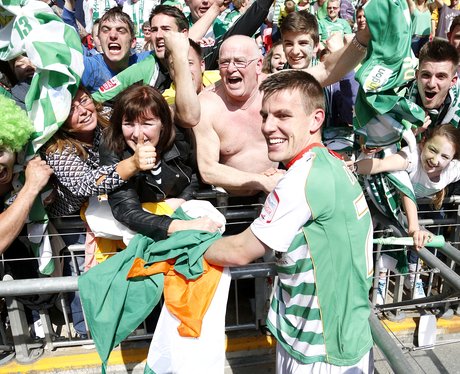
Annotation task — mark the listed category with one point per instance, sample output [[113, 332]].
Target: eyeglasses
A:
[[332, 7], [146, 29], [239, 64], [84, 101]]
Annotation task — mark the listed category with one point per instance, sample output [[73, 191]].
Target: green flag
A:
[[30, 27], [381, 115]]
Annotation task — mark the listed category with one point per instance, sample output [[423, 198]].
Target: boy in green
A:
[[317, 222]]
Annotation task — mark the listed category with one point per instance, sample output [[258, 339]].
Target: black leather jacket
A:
[[175, 181]]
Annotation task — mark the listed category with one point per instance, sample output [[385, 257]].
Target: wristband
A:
[[357, 44]]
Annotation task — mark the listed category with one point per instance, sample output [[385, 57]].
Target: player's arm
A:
[[339, 63], [236, 250]]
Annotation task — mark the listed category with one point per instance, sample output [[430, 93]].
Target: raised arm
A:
[[201, 26], [339, 63], [411, 6], [439, 3], [187, 106], [12, 219]]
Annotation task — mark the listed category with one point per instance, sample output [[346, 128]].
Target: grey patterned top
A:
[[75, 178]]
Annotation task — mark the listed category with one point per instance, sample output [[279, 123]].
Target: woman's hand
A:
[[421, 237], [145, 155], [202, 224]]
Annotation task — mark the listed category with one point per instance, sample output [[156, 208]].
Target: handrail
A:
[[20, 287], [389, 348]]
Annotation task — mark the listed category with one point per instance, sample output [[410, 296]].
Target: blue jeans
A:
[[72, 269], [418, 42]]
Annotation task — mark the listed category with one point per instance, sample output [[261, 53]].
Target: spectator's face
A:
[[278, 59], [361, 20], [148, 129], [160, 24], [333, 8], [147, 31], [454, 38], [436, 154], [434, 80], [7, 159], [299, 49], [116, 40], [96, 40], [240, 64], [198, 8], [82, 118], [23, 68], [196, 64], [287, 128]]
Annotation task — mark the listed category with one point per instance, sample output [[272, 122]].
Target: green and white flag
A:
[[55, 50], [30, 27], [381, 115]]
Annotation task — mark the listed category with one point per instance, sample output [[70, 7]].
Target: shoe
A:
[[381, 292], [419, 292], [407, 283], [38, 329], [79, 336]]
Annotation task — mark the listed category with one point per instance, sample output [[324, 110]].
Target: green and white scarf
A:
[[382, 116], [54, 48]]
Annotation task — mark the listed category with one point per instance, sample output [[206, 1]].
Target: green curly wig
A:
[[15, 126]]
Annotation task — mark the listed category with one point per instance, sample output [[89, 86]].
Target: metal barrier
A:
[[27, 349], [439, 272]]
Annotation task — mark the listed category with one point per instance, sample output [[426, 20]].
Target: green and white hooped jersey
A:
[[318, 223]]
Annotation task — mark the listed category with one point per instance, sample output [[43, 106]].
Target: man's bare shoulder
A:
[[212, 100]]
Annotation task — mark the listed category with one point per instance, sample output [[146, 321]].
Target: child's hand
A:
[[421, 237]]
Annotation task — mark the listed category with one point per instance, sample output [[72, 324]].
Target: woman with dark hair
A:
[[73, 154], [142, 116]]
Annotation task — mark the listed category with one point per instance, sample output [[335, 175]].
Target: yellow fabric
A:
[[209, 77], [105, 248]]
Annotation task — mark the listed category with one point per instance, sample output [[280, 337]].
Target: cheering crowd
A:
[[294, 102]]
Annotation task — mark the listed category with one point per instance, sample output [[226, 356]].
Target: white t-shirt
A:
[[423, 186]]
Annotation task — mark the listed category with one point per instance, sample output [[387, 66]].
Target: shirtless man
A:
[[231, 150]]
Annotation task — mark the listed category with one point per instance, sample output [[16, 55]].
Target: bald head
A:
[[243, 42]]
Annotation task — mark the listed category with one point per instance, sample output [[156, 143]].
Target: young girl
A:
[[431, 168]]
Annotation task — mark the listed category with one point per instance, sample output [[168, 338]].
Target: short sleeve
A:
[[285, 210]]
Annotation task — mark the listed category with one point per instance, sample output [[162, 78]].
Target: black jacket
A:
[[175, 181]]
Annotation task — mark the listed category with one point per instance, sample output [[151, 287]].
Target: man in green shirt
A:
[[317, 223], [333, 23]]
